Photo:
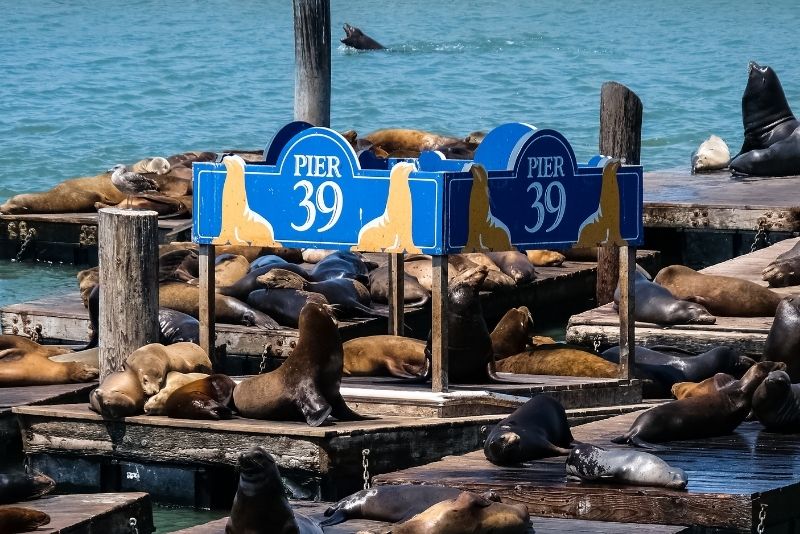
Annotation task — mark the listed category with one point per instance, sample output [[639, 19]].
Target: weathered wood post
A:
[[128, 250], [620, 137], [206, 311], [312, 55], [439, 305], [396, 294]]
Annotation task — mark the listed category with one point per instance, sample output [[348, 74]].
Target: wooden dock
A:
[[731, 480], [94, 513], [746, 334], [541, 525]]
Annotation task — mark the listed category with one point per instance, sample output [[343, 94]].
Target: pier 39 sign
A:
[[523, 190]]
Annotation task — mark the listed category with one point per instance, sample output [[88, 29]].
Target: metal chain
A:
[[365, 465], [762, 516], [760, 239], [263, 364], [132, 526], [596, 344], [25, 242]]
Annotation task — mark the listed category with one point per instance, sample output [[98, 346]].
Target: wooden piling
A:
[[396, 294], [128, 254], [312, 54], [627, 343], [206, 310], [620, 137], [440, 303]]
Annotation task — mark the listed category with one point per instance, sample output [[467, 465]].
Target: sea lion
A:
[[186, 297], [151, 363], [181, 265], [177, 326], [515, 264], [24, 362], [391, 504], [537, 429], [766, 115], [266, 260], [87, 280], [545, 258], [15, 519], [711, 155], [512, 333], [241, 289], [205, 398], [157, 165], [357, 39], [559, 359], [412, 141], [683, 390], [468, 512], [469, 344], [16, 486], [485, 232], [780, 159], [165, 206], [596, 464], [495, 278], [119, 395], [656, 304], [341, 264], [69, 196], [229, 269], [783, 339], [715, 414], [155, 405], [720, 295], [285, 305], [186, 159], [782, 271], [660, 369], [391, 231], [776, 403], [260, 505], [413, 292], [315, 255], [384, 355], [306, 385], [603, 226]]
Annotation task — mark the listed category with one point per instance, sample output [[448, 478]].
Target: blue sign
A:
[[524, 189]]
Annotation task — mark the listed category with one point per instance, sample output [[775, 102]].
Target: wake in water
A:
[[478, 45]]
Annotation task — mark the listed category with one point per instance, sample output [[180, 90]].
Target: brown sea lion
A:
[[468, 512], [514, 264], [69, 196], [512, 333], [315, 255], [683, 390], [229, 269], [714, 414], [260, 505], [496, 279], [155, 405], [545, 258], [186, 297], [285, 305], [24, 362], [119, 395], [413, 141], [469, 344], [783, 340], [180, 265], [165, 206], [385, 355], [306, 385], [15, 519], [720, 295], [558, 359], [157, 165], [785, 269], [413, 292], [153, 362], [249, 283], [187, 158], [16, 486], [776, 403], [87, 279], [206, 398]]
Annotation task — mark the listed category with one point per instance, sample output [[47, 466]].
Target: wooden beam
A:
[[128, 254], [396, 294], [207, 311], [440, 302], [627, 323], [312, 55]]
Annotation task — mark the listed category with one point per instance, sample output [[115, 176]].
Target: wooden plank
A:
[[627, 336], [439, 320], [94, 513], [396, 294], [728, 478], [36, 395]]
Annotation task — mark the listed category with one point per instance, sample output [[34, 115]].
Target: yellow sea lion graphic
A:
[[602, 226], [486, 232], [240, 224], [391, 232]]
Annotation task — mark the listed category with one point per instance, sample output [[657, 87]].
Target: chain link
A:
[[25, 242], [760, 240], [132, 526], [596, 344], [365, 465], [762, 516], [264, 353]]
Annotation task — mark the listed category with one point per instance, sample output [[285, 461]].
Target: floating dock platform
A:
[[94, 513], [732, 479], [746, 334], [541, 525]]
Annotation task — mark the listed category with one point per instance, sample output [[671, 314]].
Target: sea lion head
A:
[[41, 483], [469, 509], [151, 370], [352, 35], [764, 103], [504, 446], [758, 373], [693, 313], [258, 472], [15, 204], [281, 278], [773, 390]]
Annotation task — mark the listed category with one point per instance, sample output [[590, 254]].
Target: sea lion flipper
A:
[[560, 450], [313, 405], [636, 441], [334, 517], [342, 411]]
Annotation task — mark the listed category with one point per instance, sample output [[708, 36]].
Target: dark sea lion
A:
[[181, 265], [661, 369], [622, 466], [782, 271], [306, 385], [186, 297], [16, 486], [384, 355], [545, 258], [656, 304], [780, 159], [391, 504], [260, 505], [156, 405], [715, 414], [683, 390], [241, 289], [766, 115], [537, 429], [119, 395], [177, 326], [469, 344], [558, 359], [720, 295], [515, 264], [357, 39], [267, 259], [413, 292], [341, 264], [776, 403], [187, 158], [15, 519], [285, 305], [471, 513], [24, 362], [206, 398], [512, 333], [783, 340]]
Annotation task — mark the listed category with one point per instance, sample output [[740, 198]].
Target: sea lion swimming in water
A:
[[357, 39]]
